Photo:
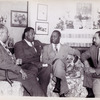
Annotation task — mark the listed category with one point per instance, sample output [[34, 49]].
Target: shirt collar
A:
[[58, 46], [29, 43]]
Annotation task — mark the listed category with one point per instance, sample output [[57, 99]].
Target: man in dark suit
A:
[[94, 53], [8, 70], [55, 55], [29, 50], [88, 80]]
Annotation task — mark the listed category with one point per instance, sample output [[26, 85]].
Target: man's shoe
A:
[[56, 90], [63, 95], [90, 93], [90, 96], [57, 85]]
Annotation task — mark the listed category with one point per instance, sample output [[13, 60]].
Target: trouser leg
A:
[[96, 87], [60, 72], [64, 86], [31, 84], [44, 78], [88, 83], [88, 80]]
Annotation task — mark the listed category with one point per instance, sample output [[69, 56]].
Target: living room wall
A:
[[58, 12], [64, 15], [5, 11]]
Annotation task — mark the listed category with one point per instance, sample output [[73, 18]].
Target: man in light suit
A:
[[29, 50], [8, 70], [94, 53], [55, 55]]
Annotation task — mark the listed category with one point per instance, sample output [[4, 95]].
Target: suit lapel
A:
[[95, 56], [98, 62], [38, 46], [5, 55], [51, 48], [51, 52], [25, 44], [27, 47], [60, 49]]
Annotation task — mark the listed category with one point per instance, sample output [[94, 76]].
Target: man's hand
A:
[[91, 70], [88, 68], [24, 75]]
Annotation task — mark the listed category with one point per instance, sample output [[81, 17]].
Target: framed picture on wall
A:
[[42, 12], [42, 28], [19, 18]]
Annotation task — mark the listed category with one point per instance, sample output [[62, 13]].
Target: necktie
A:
[[33, 47], [56, 48]]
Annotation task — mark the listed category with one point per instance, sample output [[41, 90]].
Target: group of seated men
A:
[[33, 72]]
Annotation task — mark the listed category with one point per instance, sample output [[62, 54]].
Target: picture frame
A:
[[19, 18], [42, 12], [42, 28]]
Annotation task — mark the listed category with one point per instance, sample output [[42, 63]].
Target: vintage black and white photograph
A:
[[50, 48]]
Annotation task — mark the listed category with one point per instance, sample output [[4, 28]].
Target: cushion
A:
[[7, 90]]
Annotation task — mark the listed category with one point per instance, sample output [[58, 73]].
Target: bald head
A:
[[3, 33]]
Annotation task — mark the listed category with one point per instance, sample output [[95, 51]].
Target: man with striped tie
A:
[[55, 55]]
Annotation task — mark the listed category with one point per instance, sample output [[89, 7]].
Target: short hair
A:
[[27, 29], [98, 33], [58, 32]]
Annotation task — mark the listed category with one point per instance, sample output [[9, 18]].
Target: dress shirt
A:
[[57, 46], [30, 44]]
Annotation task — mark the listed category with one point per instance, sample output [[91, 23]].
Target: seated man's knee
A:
[[59, 62], [59, 67], [96, 87]]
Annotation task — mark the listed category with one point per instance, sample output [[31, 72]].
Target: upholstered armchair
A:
[[74, 78]]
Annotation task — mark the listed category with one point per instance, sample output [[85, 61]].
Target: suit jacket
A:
[[6, 63], [28, 54], [49, 55], [92, 53]]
